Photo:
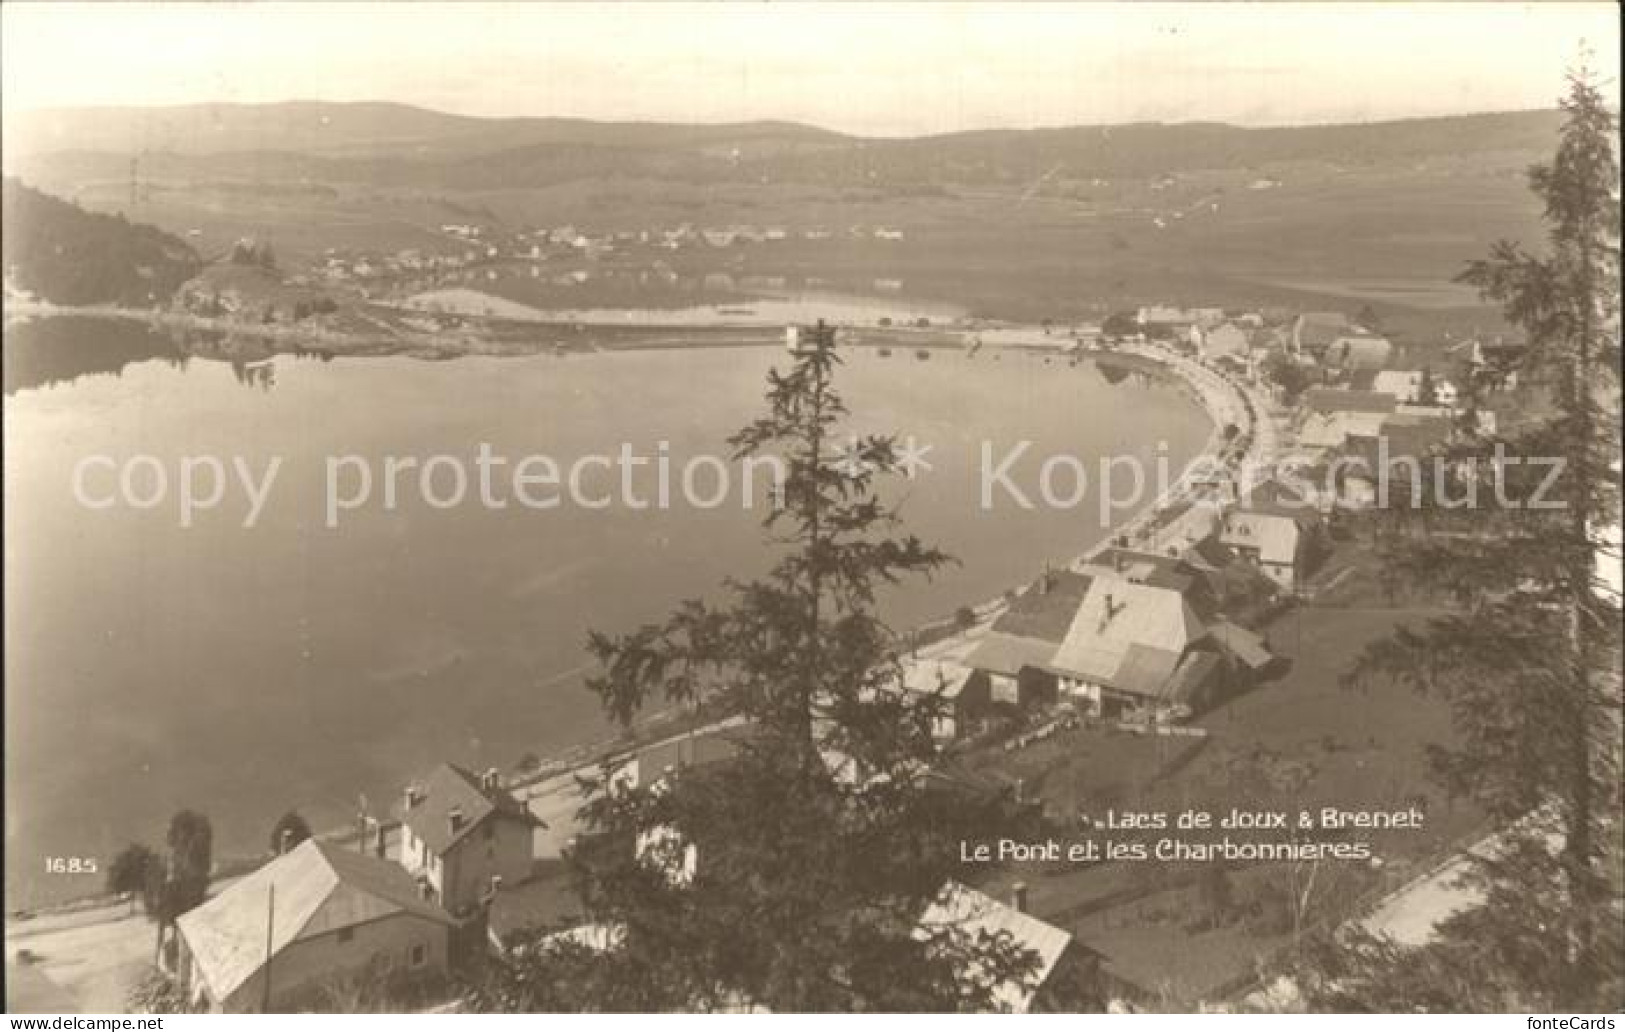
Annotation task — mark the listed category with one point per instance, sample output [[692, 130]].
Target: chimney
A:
[[490, 780], [379, 839], [287, 839], [1018, 897], [454, 819], [414, 796]]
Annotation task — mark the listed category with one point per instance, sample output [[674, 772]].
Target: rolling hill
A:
[[397, 145], [61, 253]]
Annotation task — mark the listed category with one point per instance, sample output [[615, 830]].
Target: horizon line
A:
[[648, 121]]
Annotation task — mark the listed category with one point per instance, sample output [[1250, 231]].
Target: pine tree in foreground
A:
[[794, 876], [1528, 657]]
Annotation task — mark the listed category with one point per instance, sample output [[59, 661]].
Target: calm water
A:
[[246, 671]]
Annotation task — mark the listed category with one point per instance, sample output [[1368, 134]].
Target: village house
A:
[[1492, 364], [310, 917], [1314, 332], [1321, 432], [1067, 976], [1125, 633], [1273, 529], [1392, 460], [1404, 385], [1012, 659], [1226, 340], [1135, 646], [1352, 354], [1164, 316], [1327, 400], [945, 680], [692, 749], [463, 834]]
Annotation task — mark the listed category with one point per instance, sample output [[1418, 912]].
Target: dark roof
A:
[[1045, 614], [688, 750], [1159, 571], [546, 901], [450, 788], [1009, 654], [1241, 643], [1145, 670], [1193, 672], [1211, 552], [1316, 330], [1273, 498], [1407, 436], [1330, 399], [1359, 352], [1363, 379]]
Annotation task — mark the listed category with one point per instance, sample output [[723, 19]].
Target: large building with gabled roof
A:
[[316, 914], [1126, 632]]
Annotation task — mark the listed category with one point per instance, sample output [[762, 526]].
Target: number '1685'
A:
[[70, 865]]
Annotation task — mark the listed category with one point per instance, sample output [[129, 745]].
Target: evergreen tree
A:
[[1528, 656], [191, 858], [131, 871], [289, 830], [795, 875]]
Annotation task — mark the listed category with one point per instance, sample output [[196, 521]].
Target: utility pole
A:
[[270, 925]]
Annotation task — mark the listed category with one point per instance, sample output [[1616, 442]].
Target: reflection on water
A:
[[243, 672], [42, 352], [60, 350]]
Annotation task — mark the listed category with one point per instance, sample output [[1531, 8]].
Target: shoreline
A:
[[666, 722], [478, 335]]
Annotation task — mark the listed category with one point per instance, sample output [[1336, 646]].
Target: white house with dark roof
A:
[[463, 835], [311, 916], [1272, 528]]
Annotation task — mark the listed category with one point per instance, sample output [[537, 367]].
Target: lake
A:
[[245, 671]]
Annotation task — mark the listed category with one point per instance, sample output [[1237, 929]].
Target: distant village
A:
[[473, 252]]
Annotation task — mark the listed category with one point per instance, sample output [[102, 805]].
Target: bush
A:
[[156, 993]]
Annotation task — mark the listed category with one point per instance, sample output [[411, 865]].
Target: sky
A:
[[876, 69]]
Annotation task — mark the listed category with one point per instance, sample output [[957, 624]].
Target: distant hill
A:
[[392, 144], [362, 129], [66, 255]]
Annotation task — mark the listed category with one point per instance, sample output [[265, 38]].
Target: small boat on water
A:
[[804, 340], [884, 352], [922, 354]]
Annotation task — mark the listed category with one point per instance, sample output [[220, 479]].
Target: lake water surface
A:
[[242, 672]]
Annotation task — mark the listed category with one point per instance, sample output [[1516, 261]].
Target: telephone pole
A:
[[270, 925]]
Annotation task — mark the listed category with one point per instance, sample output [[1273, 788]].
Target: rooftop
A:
[[961, 907], [1044, 611], [450, 790], [313, 890]]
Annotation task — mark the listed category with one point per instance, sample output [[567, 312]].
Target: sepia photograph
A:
[[797, 508]]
